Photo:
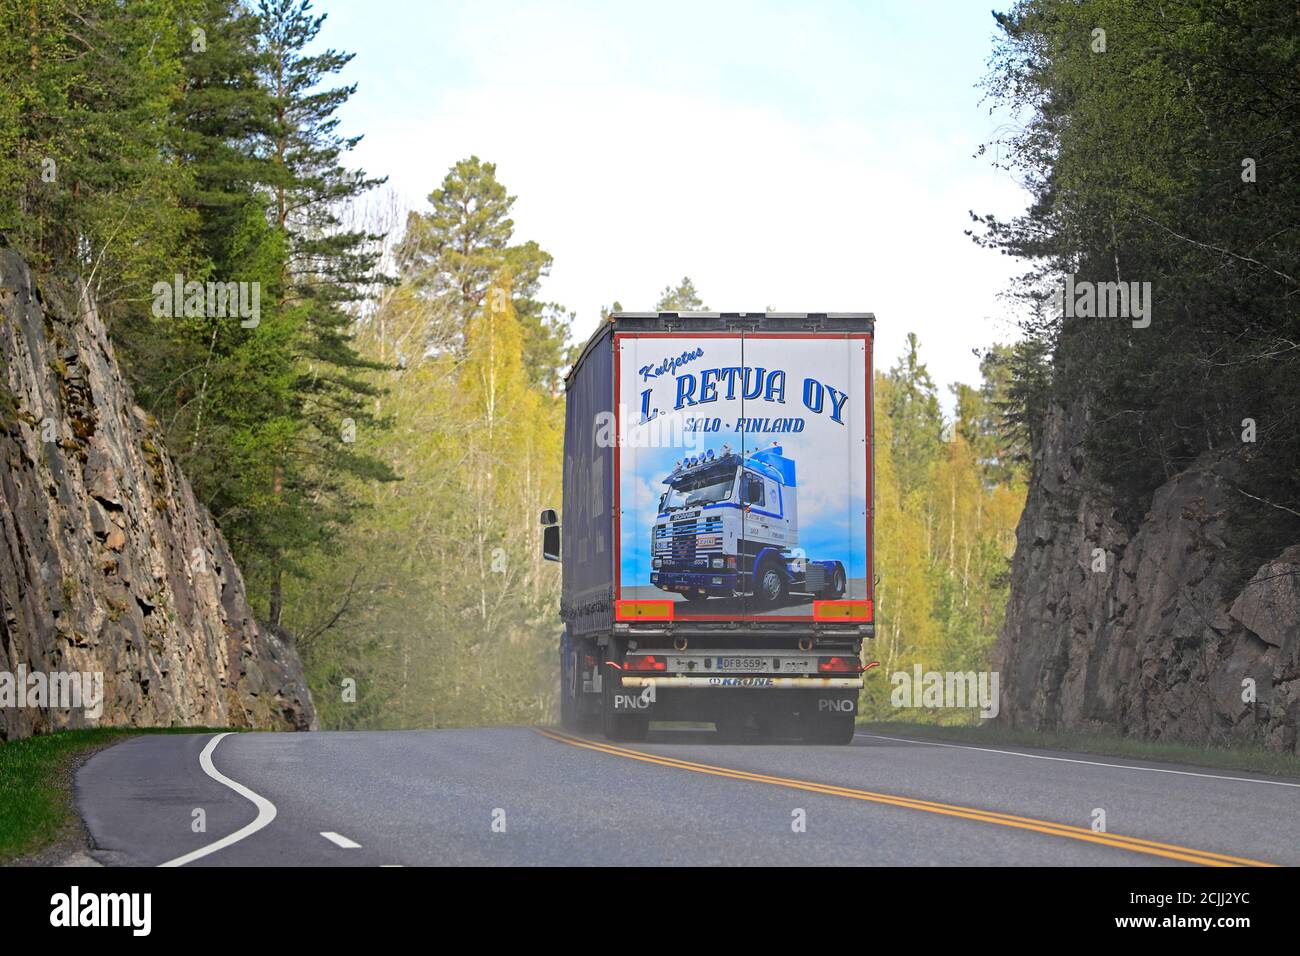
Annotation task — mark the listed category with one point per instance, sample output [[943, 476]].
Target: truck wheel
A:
[[834, 729], [588, 714], [569, 692], [620, 726], [730, 730], [836, 590], [768, 729], [769, 583], [626, 727]]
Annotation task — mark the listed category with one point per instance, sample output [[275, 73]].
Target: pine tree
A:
[[323, 273], [683, 298], [917, 422], [451, 254]]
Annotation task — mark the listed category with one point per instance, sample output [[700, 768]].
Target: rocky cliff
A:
[[108, 564], [1155, 641]]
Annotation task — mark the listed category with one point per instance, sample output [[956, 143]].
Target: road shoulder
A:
[[1163, 754]]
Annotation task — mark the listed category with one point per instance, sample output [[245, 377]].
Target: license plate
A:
[[741, 663]]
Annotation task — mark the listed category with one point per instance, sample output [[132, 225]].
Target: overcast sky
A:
[[800, 155]]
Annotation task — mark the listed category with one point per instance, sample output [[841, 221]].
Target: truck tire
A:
[[588, 714], [626, 727], [620, 726], [836, 589], [569, 692], [769, 583], [833, 729], [730, 730]]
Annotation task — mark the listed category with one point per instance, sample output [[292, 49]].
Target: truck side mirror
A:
[[548, 517], [551, 542]]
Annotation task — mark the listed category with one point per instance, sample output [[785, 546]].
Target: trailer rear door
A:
[[796, 410]]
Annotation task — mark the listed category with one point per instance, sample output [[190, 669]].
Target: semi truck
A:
[[715, 535]]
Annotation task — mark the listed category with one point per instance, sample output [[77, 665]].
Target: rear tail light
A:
[[839, 665], [644, 662]]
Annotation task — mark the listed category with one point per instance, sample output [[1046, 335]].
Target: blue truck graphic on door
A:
[[728, 525]]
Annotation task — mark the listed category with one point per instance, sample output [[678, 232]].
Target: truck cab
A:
[[728, 526]]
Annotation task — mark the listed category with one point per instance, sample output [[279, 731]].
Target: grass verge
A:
[[1252, 759], [36, 783]]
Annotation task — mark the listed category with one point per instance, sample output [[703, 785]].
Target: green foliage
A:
[[200, 138], [324, 271], [996, 419], [1171, 158], [451, 255], [87, 179], [913, 409], [437, 608], [148, 139], [945, 514], [437, 604], [683, 298]]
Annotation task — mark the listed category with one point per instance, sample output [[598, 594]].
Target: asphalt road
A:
[[524, 796]]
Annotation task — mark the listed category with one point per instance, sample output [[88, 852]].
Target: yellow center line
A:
[[1135, 844]]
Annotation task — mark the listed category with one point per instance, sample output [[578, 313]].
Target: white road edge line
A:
[[1091, 763], [265, 808], [342, 841]]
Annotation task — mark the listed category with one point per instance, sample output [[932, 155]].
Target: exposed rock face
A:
[[107, 562], [1155, 645]]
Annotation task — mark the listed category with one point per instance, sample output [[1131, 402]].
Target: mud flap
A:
[[633, 701], [626, 709], [832, 702]]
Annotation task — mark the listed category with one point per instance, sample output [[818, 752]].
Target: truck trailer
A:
[[716, 532]]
